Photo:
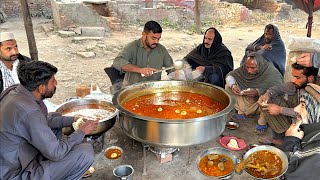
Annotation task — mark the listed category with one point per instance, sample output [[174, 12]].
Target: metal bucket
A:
[[123, 172], [172, 133]]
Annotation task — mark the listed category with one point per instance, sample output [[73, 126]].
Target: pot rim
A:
[[115, 113], [226, 110]]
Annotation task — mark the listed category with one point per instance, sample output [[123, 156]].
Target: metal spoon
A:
[[176, 65]]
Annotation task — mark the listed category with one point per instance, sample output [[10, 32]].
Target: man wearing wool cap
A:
[[9, 60]]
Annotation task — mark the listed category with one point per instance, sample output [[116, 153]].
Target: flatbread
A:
[[233, 144], [78, 123]]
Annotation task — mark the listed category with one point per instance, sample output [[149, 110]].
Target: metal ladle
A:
[[177, 65]]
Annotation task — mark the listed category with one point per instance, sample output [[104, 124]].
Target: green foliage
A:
[[205, 24], [247, 1], [169, 24]]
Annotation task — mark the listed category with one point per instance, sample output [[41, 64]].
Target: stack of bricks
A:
[[12, 7], [283, 11]]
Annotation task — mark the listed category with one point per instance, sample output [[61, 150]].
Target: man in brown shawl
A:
[[211, 58], [279, 101], [251, 80]]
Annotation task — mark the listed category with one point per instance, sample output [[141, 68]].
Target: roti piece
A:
[[233, 144], [78, 123]]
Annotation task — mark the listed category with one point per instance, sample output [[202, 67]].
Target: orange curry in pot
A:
[[173, 105]]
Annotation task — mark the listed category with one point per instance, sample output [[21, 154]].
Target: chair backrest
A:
[[114, 75]]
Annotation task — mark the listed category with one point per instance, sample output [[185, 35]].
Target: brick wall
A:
[[37, 7]]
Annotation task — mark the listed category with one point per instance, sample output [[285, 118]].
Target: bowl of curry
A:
[[113, 152], [265, 162], [216, 162]]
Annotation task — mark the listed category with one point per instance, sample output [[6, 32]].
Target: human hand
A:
[[272, 109], [250, 92], [263, 100], [89, 126], [145, 72], [76, 117], [294, 130], [236, 89], [200, 69], [304, 59], [266, 47]]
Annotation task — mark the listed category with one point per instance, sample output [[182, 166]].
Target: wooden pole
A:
[[29, 29], [197, 12]]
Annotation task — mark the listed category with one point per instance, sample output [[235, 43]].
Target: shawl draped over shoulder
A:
[[266, 77], [277, 55], [218, 57]]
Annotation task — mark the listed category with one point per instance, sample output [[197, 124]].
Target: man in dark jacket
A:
[[9, 60], [302, 141]]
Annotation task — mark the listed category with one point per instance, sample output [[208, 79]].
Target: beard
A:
[[252, 74], [207, 45], [302, 86], [151, 46], [10, 58], [48, 94]]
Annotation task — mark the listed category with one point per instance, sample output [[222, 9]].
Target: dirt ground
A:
[[75, 69]]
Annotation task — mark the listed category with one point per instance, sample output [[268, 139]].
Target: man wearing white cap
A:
[[9, 60]]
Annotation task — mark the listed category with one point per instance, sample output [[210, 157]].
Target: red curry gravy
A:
[[173, 105], [213, 169], [113, 153], [264, 164]]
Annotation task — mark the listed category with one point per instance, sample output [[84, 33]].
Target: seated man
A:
[[212, 58], [270, 46], [278, 110], [31, 145], [143, 57], [251, 80], [302, 141], [9, 60]]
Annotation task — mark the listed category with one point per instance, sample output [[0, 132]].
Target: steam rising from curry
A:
[[173, 105]]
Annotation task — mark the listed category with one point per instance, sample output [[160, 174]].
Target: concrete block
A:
[[166, 159], [93, 31], [66, 33]]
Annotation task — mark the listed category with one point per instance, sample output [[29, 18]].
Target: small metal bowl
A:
[[232, 125], [218, 150], [113, 147]]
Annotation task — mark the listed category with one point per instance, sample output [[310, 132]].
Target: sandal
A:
[[269, 141], [238, 117], [261, 128]]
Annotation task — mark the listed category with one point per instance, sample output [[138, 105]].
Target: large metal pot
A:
[[172, 133], [73, 105]]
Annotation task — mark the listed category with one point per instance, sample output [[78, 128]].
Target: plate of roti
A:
[[233, 143]]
